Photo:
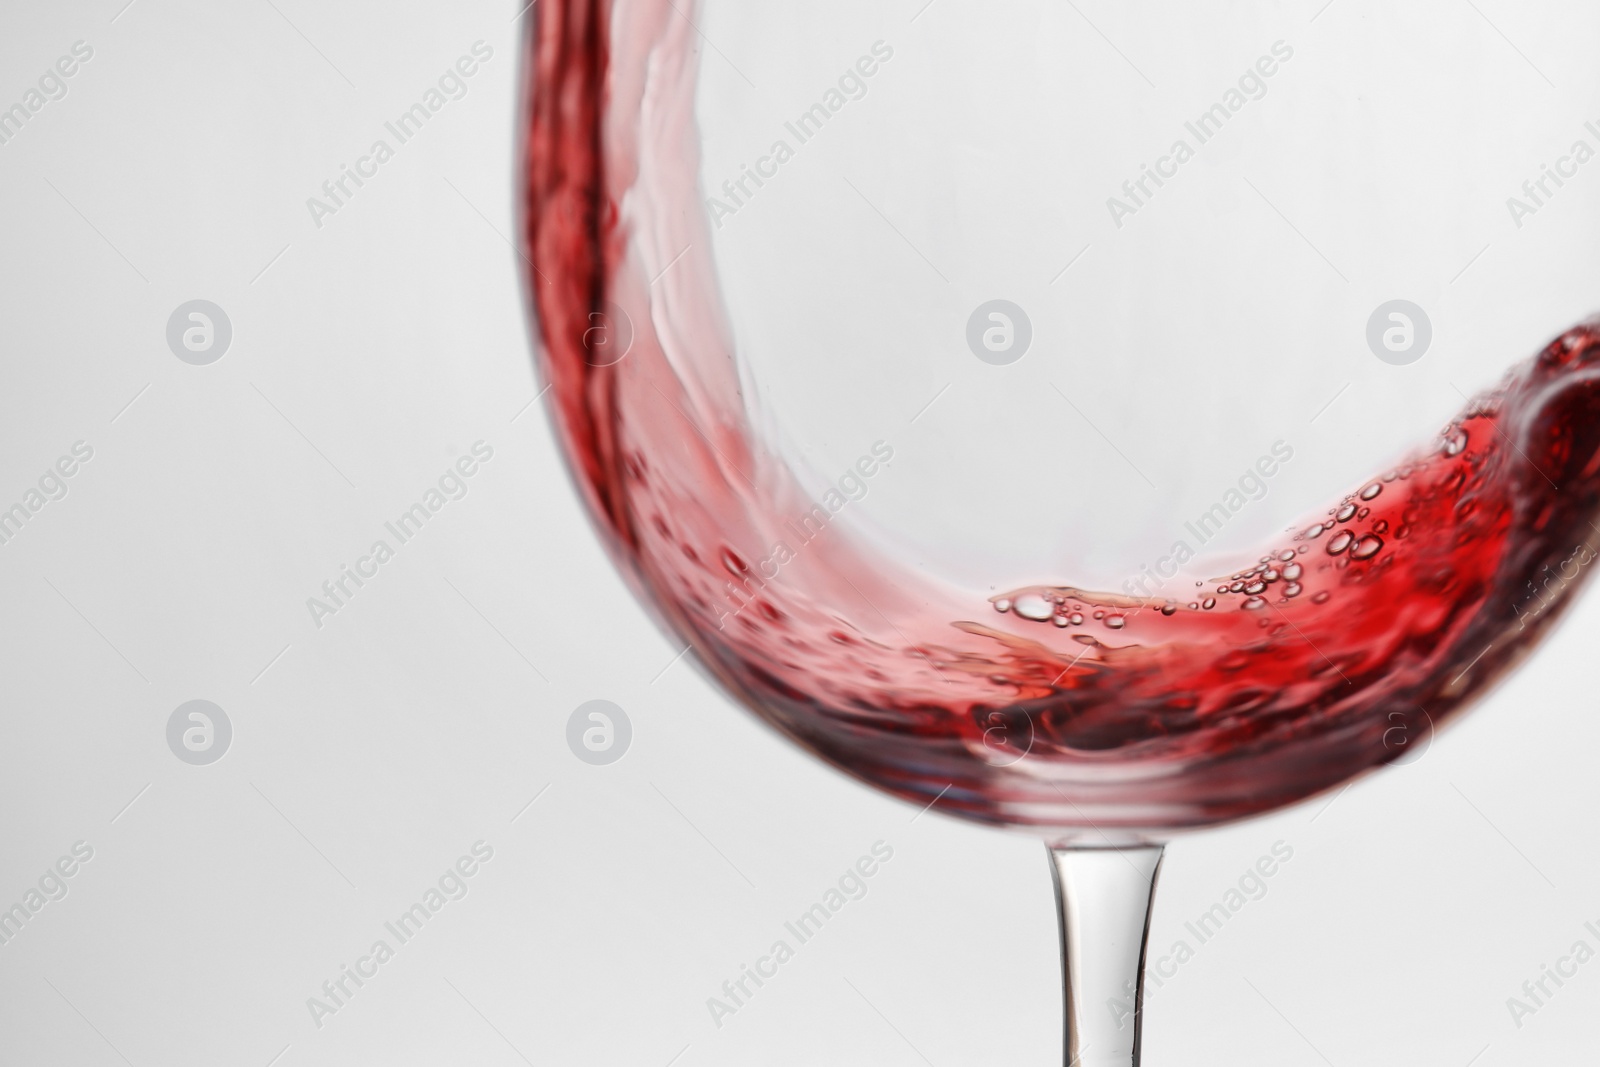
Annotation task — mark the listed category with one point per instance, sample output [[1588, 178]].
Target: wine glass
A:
[[1035, 410]]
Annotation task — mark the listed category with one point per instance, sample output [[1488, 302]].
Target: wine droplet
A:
[[1033, 606], [1196, 719], [1368, 547]]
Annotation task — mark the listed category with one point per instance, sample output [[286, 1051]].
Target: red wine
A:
[[1050, 705]]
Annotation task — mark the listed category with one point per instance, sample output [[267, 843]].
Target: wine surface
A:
[[1338, 649]]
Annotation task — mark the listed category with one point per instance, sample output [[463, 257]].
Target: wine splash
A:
[[1050, 705]]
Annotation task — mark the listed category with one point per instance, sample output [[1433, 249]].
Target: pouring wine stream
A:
[[1047, 705]]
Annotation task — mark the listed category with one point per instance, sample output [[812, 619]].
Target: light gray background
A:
[[1169, 354], [371, 753]]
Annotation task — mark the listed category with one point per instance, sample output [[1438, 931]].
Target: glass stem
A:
[[1104, 895]]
